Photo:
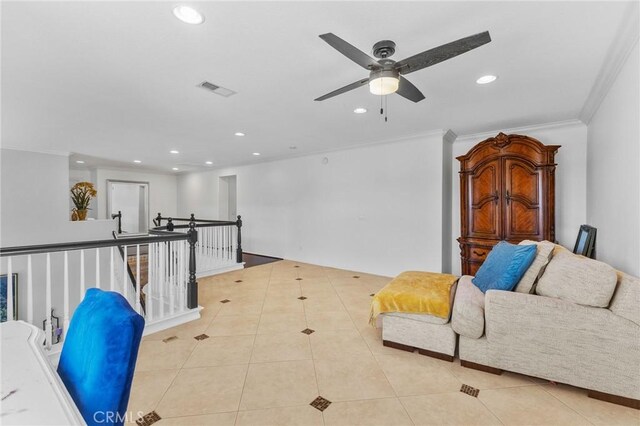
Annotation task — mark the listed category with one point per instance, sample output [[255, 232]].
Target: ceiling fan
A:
[[386, 75]]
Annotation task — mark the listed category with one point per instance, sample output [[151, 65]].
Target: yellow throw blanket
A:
[[414, 292]]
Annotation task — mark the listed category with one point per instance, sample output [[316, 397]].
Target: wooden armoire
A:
[[507, 192]]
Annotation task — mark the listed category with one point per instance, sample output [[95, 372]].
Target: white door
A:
[[132, 200]]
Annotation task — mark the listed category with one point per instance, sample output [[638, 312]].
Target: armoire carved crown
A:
[[507, 192]]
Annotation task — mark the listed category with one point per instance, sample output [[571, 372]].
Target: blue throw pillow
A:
[[504, 267]]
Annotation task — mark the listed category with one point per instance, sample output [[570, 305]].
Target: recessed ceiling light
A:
[[208, 162], [188, 15], [360, 110], [256, 153], [239, 134], [173, 151], [137, 161], [486, 79], [79, 161], [175, 169]]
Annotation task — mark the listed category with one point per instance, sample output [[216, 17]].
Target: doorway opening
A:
[[132, 199], [227, 198]]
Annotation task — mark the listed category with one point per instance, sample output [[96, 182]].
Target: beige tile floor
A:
[[257, 368]]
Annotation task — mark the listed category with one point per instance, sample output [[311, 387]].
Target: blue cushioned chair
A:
[[99, 356]]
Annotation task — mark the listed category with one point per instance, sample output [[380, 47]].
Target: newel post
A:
[[170, 224], [158, 219], [192, 285], [239, 249]]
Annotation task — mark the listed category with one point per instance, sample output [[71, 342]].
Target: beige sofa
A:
[[580, 325]]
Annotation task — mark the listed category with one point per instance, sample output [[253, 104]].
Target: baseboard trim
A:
[[615, 399], [262, 255], [480, 367]]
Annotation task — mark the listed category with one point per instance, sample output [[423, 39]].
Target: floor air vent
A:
[[218, 90]]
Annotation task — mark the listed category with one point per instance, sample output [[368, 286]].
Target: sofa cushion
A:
[[468, 309], [504, 267], [578, 279], [543, 255], [626, 299]]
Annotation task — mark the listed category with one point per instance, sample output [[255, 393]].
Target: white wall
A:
[[34, 209], [571, 175], [375, 209], [162, 190], [613, 164], [34, 201]]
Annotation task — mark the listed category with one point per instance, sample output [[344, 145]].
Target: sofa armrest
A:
[[467, 318]]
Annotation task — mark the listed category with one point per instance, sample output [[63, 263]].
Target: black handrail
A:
[[158, 220], [80, 245]]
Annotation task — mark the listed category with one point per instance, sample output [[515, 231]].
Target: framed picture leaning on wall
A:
[[3, 297], [586, 241]]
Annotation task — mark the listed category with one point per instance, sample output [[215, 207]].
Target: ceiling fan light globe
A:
[[383, 85]]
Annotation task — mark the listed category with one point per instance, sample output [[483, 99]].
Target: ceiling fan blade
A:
[[344, 89], [441, 53], [351, 52], [406, 89]]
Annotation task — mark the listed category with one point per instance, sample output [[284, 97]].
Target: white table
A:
[[32, 391]]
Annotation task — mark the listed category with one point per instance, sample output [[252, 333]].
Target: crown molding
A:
[[449, 136], [38, 151], [623, 44], [521, 129]]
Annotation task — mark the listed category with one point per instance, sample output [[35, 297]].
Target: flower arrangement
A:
[[81, 195]]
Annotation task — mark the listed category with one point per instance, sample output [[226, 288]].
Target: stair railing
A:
[[57, 278], [219, 242]]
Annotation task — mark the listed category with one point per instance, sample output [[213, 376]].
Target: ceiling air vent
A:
[[216, 89]]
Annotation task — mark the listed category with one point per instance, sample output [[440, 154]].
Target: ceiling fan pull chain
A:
[[381, 109], [386, 109]]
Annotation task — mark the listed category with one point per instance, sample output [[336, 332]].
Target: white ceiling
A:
[[117, 80]]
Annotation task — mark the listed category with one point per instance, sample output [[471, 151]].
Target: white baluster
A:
[[182, 275], [29, 291], [160, 280], [66, 317], [218, 242], [234, 246], [172, 282], [138, 305], [125, 275], [97, 267], [228, 243], [112, 275], [149, 286], [10, 290], [47, 320]]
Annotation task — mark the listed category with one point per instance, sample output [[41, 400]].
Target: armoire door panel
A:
[[523, 212], [484, 216]]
